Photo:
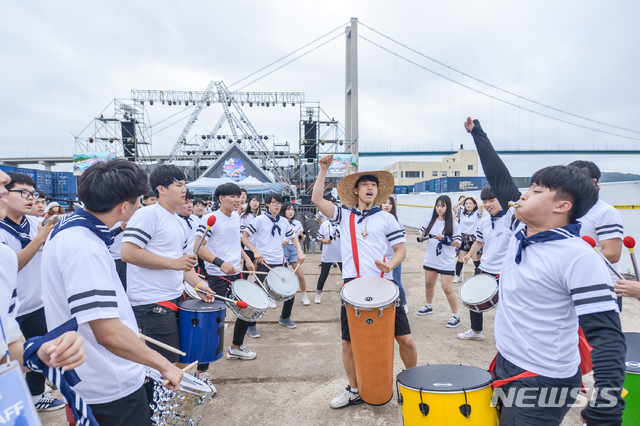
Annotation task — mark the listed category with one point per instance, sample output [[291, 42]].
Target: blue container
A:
[[421, 186], [411, 189], [201, 327], [463, 184], [522, 182], [400, 189], [7, 169]]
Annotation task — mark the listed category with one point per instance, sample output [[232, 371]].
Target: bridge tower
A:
[[351, 88]]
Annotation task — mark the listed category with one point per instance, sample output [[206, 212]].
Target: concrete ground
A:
[[298, 371]]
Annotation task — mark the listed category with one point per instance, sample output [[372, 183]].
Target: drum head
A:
[[445, 378], [251, 293], [478, 288], [369, 292], [632, 360], [202, 306], [282, 285], [189, 383]]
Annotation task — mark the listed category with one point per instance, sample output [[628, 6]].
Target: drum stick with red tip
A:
[[592, 243], [210, 222], [193, 364], [240, 303], [162, 345], [630, 243], [261, 285]]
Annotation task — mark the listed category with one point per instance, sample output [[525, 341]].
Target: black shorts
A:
[[132, 410], [440, 271], [467, 242], [402, 322], [222, 285], [160, 323]]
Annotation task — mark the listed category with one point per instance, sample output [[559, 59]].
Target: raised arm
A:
[[323, 205], [494, 168]]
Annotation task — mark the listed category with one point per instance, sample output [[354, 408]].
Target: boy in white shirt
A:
[[156, 250], [270, 230], [25, 235], [551, 283], [80, 281], [375, 231], [191, 221]]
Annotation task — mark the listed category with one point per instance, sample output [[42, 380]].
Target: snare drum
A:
[[370, 304], [255, 297], [282, 287], [479, 293], [446, 395], [190, 293], [181, 408], [201, 327], [631, 412]]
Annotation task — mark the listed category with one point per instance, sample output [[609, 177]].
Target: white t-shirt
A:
[[270, 246], [222, 240], [389, 254], [603, 222], [321, 216], [29, 285], [244, 222], [190, 231], [116, 248], [495, 241], [446, 260], [8, 296], [330, 252], [536, 326], [80, 280], [382, 230], [469, 223], [297, 229], [156, 230]]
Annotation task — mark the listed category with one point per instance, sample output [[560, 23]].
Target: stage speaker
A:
[[128, 129]]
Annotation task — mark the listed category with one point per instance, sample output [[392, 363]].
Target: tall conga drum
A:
[[371, 313], [631, 412], [201, 327], [446, 395]]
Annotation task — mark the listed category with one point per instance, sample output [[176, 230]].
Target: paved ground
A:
[[298, 371]]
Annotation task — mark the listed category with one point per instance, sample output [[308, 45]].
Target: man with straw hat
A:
[[375, 229]]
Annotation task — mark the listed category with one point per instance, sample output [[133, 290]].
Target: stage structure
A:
[[196, 153], [126, 132]]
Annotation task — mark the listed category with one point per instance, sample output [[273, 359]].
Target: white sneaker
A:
[[471, 335], [456, 279], [305, 300], [272, 304], [240, 353], [346, 398], [318, 298], [204, 376]]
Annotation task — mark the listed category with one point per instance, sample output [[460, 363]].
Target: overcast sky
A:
[[62, 63]]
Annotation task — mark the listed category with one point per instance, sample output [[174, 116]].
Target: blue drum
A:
[[201, 331]]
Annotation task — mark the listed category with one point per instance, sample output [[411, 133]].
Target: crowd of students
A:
[[116, 269]]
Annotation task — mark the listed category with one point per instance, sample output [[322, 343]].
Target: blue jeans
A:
[[397, 274]]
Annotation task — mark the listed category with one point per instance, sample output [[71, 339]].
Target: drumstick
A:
[[592, 243], [210, 222], [162, 345], [630, 243], [194, 363], [278, 275], [294, 272], [262, 285], [254, 272], [240, 303]]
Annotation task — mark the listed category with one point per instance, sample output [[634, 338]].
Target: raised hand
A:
[[325, 162], [468, 124]]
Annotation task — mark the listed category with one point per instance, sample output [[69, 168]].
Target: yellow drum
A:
[[446, 395]]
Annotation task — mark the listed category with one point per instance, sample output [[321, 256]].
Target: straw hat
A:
[[348, 183]]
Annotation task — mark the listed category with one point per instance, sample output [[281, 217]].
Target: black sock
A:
[[476, 263], [459, 266]]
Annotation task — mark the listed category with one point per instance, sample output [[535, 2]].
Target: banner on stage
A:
[[342, 165], [83, 160], [16, 406]]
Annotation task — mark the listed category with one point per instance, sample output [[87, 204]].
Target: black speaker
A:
[[310, 151], [311, 131], [129, 139]]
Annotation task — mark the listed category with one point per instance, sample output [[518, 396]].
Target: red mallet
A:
[[210, 222], [592, 243], [630, 243]]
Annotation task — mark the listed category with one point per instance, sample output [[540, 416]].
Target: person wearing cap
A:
[[54, 208], [375, 230]]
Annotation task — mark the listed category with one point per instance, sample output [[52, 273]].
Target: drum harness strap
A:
[[586, 364], [168, 305], [354, 245]]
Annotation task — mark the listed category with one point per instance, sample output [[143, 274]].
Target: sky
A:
[[63, 63]]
